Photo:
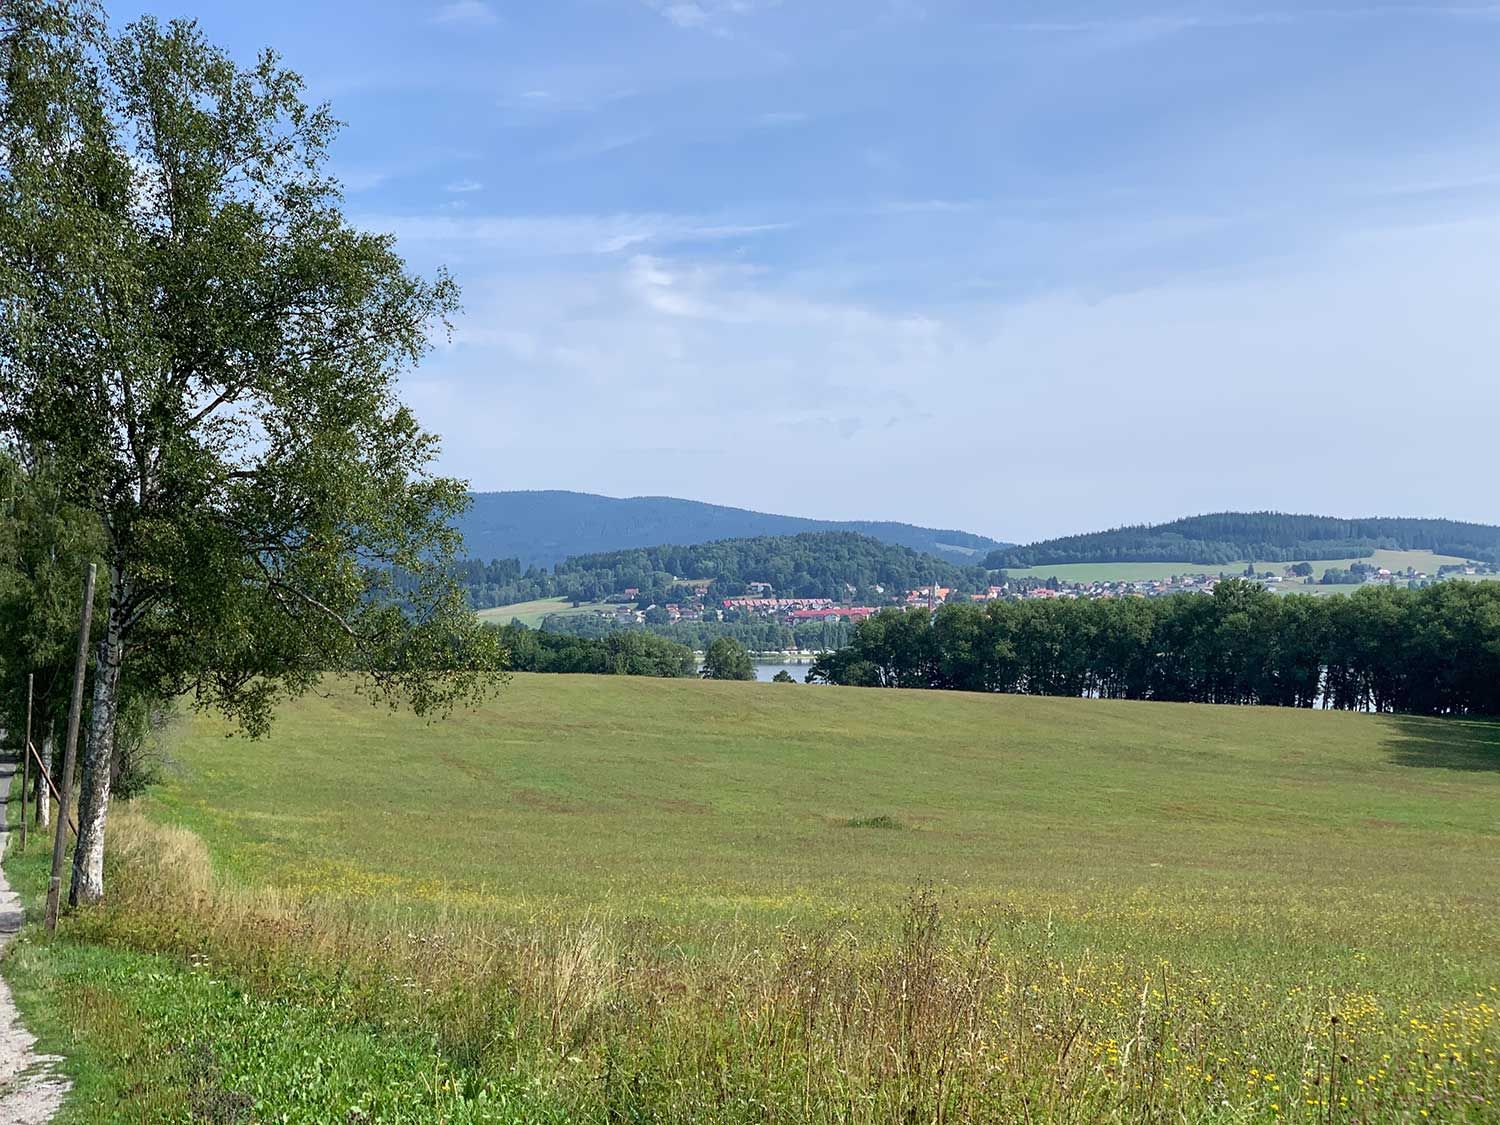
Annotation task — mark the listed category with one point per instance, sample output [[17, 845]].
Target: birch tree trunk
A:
[[93, 790], [42, 794]]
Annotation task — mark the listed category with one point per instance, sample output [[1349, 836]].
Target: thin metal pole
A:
[[70, 749], [26, 759]]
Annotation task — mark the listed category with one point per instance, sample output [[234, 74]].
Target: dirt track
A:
[[31, 1089]]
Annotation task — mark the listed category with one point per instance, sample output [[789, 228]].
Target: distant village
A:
[[761, 601]]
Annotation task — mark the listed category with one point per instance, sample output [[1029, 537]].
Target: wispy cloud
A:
[[925, 207], [465, 186], [783, 117], [1170, 22], [591, 147], [632, 337], [466, 13], [564, 235], [706, 15]]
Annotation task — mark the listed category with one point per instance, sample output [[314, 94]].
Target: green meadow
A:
[[581, 792], [532, 613], [613, 898]]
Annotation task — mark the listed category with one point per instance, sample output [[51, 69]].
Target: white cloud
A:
[[684, 15], [1352, 383], [465, 186], [591, 147], [706, 15], [465, 13]]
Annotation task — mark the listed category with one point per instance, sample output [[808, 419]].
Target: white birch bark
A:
[[42, 794], [94, 782]]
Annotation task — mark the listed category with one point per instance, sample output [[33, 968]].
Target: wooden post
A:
[[70, 748], [26, 758], [42, 776]]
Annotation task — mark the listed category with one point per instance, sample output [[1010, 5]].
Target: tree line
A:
[[1228, 537], [1433, 651], [622, 653], [625, 652], [756, 633]]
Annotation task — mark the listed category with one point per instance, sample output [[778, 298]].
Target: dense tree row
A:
[[758, 634], [1227, 537], [1434, 651], [622, 653]]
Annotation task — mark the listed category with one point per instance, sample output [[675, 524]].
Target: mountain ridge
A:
[[1265, 536], [543, 527]]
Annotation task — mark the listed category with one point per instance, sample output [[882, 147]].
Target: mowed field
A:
[[1425, 561], [698, 800], [614, 898], [531, 614]]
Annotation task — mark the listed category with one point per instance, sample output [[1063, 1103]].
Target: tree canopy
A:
[[726, 659], [204, 355], [1431, 651], [819, 564]]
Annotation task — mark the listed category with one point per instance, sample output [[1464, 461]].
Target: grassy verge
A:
[[182, 1036]]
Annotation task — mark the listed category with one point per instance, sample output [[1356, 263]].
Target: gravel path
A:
[[31, 1090]]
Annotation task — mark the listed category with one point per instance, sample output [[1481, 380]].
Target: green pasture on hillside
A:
[[532, 613], [1425, 561], [612, 899], [709, 800]]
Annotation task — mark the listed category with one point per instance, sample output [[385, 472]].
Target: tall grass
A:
[[953, 1015]]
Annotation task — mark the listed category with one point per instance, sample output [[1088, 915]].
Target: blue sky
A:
[[1021, 268]]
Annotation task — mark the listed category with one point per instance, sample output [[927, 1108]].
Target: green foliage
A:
[[823, 564], [212, 353], [727, 659], [1433, 651], [756, 632], [156, 1039], [46, 545], [1228, 537], [1342, 576], [139, 744], [621, 654], [783, 677], [544, 528]]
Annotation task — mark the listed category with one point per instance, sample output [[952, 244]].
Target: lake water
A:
[[767, 672]]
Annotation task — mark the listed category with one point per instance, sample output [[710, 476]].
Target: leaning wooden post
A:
[[43, 807], [70, 749], [26, 759]]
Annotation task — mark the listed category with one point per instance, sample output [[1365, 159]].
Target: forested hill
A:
[[820, 564], [1227, 537], [543, 528]]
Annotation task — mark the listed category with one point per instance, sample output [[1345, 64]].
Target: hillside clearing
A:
[[533, 613], [1425, 561]]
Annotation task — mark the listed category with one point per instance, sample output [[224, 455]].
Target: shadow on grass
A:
[[1448, 744]]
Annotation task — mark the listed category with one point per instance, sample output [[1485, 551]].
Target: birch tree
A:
[[209, 354]]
